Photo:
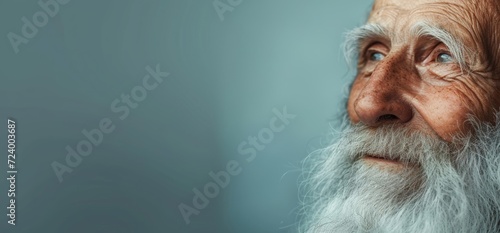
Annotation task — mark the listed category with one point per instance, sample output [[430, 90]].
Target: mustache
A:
[[396, 143]]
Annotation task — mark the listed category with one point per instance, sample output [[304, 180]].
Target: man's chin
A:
[[392, 180]]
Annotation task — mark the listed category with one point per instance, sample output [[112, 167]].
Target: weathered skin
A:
[[410, 87]]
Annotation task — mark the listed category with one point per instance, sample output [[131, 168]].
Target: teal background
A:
[[226, 77]]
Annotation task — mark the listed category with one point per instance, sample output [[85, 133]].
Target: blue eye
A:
[[376, 56], [444, 58]]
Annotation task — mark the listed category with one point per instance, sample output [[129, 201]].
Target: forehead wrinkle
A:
[[388, 12], [357, 36], [457, 18]]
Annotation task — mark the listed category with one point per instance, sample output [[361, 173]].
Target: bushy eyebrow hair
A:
[[355, 37], [456, 47]]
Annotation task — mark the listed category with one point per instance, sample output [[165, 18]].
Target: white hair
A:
[[445, 187]]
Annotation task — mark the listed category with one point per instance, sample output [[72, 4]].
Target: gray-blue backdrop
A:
[[166, 116]]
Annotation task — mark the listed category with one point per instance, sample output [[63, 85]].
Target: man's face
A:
[[413, 79], [421, 150]]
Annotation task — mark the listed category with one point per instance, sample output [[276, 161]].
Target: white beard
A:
[[442, 187]]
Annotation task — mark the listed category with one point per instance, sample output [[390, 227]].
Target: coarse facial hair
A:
[[445, 187]]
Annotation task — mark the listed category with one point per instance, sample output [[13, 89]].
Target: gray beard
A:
[[442, 187]]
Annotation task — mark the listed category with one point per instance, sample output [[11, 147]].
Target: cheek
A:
[[444, 112], [446, 109]]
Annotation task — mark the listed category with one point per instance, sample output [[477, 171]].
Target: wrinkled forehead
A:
[[469, 21], [465, 12], [401, 14], [408, 4]]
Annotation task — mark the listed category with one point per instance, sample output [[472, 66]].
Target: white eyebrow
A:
[[354, 37], [456, 47]]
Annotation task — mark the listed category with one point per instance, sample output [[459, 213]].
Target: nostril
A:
[[387, 117], [376, 106]]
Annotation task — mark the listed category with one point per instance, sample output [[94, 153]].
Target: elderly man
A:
[[420, 147]]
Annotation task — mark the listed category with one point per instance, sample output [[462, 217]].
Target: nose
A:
[[382, 99]]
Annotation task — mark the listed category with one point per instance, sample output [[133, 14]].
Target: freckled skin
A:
[[424, 94]]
